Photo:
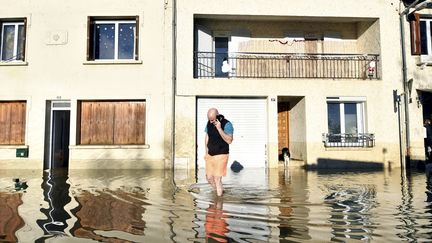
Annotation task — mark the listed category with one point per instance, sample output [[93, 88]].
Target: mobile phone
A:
[[219, 118]]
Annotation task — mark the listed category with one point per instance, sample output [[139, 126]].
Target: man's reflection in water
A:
[[56, 193], [215, 226]]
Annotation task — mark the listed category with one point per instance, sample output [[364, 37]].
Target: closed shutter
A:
[[414, 20], [249, 119], [12, 122], [129, 123], [112, 122], [97, 122]]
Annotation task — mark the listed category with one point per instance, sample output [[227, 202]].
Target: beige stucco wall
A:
[[374, 28], [54, 71]]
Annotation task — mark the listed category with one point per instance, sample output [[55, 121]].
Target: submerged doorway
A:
[[57, 133], [283, 126]]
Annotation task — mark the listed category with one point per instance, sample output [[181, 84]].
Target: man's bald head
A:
[[211, 114]]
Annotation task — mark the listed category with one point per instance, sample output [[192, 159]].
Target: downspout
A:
[[174, 79], [405, 83]]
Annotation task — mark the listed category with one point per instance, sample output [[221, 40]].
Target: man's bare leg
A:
[[219, 187], [211, 180]]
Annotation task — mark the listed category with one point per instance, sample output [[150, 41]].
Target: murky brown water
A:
[[258, 206]]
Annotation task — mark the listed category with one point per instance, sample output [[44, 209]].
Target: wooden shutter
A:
[[97, 123], [18, 117], [137, 26], [116, 122], [129, 123], [12, 122], [90, 37], [5, 123], [414, 20]]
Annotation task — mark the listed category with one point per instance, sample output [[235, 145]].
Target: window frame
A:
[[91, 25], [428, 22], [360, 113], [16, 23]]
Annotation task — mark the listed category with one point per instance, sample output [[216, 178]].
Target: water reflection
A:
[[258, 206], [56, 193], [101, 213], [215, 225], [10, 220]]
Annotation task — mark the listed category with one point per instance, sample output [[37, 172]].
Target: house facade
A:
[[303, 75], [92, 85], [84, 85], [417, 40]]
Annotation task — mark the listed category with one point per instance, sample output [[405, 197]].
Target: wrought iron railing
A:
[[285, 65], [365, 140]]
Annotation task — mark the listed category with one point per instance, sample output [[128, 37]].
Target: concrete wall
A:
[[61, 71]]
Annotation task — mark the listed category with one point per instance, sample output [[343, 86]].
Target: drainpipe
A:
[[402, 15], [174, 78]]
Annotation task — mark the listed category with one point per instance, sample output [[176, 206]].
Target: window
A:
[[12, 40], [12, 122], [112, 122], [421, 36], [425, 37], [112, 39], [346, 123]]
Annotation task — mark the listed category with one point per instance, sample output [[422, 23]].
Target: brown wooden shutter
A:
[[22, 56], [5, 120], [414, 20], [17, 126], [97, 123], [129, 123], [12, 123], [90, 37], [137, 26]]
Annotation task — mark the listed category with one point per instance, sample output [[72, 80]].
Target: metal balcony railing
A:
[[285, 65], [365, 140]]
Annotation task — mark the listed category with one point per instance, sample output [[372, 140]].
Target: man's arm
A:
[[228, 138]]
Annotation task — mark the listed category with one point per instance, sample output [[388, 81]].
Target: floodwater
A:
[[258, 206]]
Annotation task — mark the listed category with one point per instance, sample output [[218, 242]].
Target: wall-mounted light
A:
[[419, 100]]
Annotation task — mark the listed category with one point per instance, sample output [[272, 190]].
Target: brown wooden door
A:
[[283, 125]]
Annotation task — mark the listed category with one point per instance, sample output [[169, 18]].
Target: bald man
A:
[[219, 135]]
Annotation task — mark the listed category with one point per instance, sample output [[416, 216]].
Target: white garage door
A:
[[249, 119]]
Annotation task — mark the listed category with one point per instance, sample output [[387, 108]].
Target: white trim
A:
[[347, 99], [16, 30], [360, 111], [116, 38], [52, 109], [112, 61]]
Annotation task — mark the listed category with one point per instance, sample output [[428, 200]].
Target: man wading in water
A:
[[219, 134]]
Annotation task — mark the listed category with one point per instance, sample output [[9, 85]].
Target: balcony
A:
[[347, 140], [285, 65]]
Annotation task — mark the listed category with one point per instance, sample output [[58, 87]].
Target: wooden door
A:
[[283, 125]]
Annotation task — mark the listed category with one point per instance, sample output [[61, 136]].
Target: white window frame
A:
[[361, 113], [428, 22], [116, 30], [15, 48]]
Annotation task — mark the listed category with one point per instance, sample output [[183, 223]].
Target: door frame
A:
[[51, 106]]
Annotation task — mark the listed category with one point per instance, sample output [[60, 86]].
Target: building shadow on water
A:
[[325, 165]]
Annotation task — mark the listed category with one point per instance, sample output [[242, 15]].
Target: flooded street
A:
[[258, 206]]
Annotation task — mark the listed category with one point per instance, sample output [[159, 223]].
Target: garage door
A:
[[249, 119]]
